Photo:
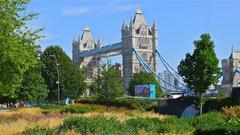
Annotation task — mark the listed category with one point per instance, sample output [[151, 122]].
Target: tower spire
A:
[[131, 24], [123, 25], [154, 24], [98, 42]]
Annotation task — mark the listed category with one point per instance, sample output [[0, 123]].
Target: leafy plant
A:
[[40, 131], [78, 108], [130, 103], [97, 125], [231, 112]]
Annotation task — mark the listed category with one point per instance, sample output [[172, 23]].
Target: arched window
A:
[[143, 30]]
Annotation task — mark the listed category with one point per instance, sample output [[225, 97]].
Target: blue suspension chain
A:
[[140, 59]]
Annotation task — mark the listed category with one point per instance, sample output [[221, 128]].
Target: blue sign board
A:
[[146, 90]]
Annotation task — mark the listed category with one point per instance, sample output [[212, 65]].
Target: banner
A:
[[146, 90]]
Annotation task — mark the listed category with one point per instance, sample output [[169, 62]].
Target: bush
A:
[[129, 103], [149, 124], [97, 125], [40, 131], [233, 122], [77, 108], [231, 112], [208, 121], [208, 124], [48, 106], [217, 104], [221, 130]]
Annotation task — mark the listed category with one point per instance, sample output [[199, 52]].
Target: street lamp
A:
[[58, 78]]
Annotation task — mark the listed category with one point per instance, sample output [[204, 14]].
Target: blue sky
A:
[[179, 22]]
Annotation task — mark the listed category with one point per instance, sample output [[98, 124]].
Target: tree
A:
[[18, 48], [72, 78], [199, 69], [33, 87], [108, 84], [144, 78]]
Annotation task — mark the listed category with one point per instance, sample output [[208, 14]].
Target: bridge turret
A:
[[123, 26], [75, 50], [154, 26], [155, 44], [98, 45], [131, 28], [144, 39]]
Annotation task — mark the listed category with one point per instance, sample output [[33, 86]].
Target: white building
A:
[[167, 76]]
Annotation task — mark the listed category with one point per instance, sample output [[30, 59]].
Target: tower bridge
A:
[[138, 48], [138, 35]]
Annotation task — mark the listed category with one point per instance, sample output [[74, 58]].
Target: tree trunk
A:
[[201, 103]]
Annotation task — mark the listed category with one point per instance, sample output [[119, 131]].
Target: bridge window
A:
[[143, 30]]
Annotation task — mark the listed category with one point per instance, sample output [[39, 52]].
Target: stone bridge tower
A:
[[81, 44], [144, 39], [231, 79]]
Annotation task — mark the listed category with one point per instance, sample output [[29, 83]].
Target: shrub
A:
[[47, 106], [217, 104], [233, 122], [208, 121], [148, 124], [208, 124], [129, 103], [98, 125], [40, 131], [221, 130], [77, 108], [174, 125], [231, 112]]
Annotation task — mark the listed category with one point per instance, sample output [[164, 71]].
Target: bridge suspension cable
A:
[[148, 69], [167, 66]]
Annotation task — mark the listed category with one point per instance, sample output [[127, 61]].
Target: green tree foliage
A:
[[33, 87], [108, 83], [18, 49], [199, 69], [71, 77], [144, 78]]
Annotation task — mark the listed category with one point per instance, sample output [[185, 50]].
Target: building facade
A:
[[168, 77]]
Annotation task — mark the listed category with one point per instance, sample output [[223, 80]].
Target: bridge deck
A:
[[103, 50]]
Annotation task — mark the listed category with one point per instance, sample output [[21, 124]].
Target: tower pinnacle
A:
[[123, 25], [138, 11]]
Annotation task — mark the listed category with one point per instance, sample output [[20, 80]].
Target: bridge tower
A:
[[144, 39], [84, 43], [231, 78]]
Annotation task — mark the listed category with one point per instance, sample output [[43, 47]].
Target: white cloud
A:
[[75, 10]]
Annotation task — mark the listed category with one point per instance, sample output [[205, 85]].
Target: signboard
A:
[[146, 90]]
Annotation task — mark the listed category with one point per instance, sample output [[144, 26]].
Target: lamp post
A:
[[58, 78]]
